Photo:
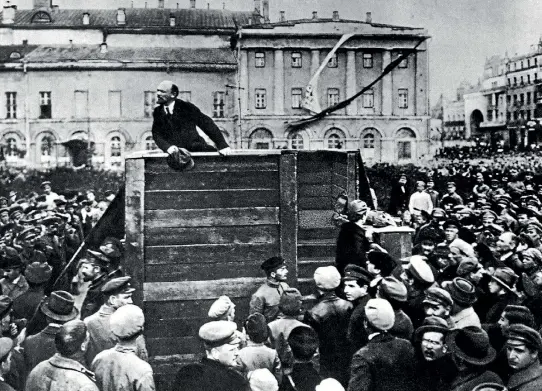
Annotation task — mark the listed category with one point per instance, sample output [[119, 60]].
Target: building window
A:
[[219, 98], [334, 141], [260, 59], [296, 60], [261, 98], [369, 141], [12, 150], [515, 81], [116, 146], [185, 95], [521, 80], [535, 76], [261, 138], [296, 98], [367, 60], [528, 98], [535, 61], [296, 141], [150, 144], [11, 105], [521, 64], [333, 61], [81, 104], [149, 104], [368, 99], [528, 62], [403, 63], [508, 81], [528, 79], [47, 146], [515, 99], [403, 98], [332, 96], [45, 104], [521, 99], [404, 149], [114, 104]]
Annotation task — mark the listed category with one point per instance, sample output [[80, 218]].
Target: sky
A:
[[464, 32]]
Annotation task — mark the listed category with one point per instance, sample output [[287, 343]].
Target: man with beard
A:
[[356, 282], [93, 269], [266, 299], [506, 247], [523, 345], [436, 367], [329, 318], [352, 243], [438, 302]]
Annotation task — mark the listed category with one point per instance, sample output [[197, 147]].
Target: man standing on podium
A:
[[174, 127]]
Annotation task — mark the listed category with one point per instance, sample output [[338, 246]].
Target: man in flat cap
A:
[[37, 275], [437, 370], [329, 318], [175, 124], [523, 345], [119, 368], [118, 292], [218, 367], [396, 293], [352, 242], [14, 283], [266, 299], [438, 302], [356, 282], [464, 296], [387, 362], [222, 309], [65, 368]]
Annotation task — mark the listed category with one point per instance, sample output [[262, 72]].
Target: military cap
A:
[[127, 321], [524, 334], [329, 384], [355, 272], [494, 229], [12, 262], [15, 209], [490, 387], [489, 213], [38, 272], [438, 296], [392, 288], [51, 220], [118, 285], [60, 201], [98, 258], [420, 269], [180, 161], [534, 225], [86, 202], [380, 314], [220, 307], [5, 305], [272, 264], [431, 323], [452, 223], [218, 333], [439, 212], [6, 344], [45, 183], [4, 211], [327, 278]]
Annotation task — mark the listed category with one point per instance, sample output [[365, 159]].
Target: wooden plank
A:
[[211, 217], [315, 178], [213, 235], [318, 233], [210, 253], [170, 364], [181, 290], [308, 267], [314, 190], [341, 168], [315, 218], [197, 308], [316, 249], [177, 345], [173, 328], [304, 167], [288, 213], [134, 224], [202, 271], [191, 180], [326, 156], [217, 164], [336, 190], [323, 202], [352, 175], [210, 198], [340, 180]]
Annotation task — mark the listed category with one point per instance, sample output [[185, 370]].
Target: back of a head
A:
[[304, 342], [517, 314], [290, 302], [70, 337], [256, 328], [262, 380], [329, 384]]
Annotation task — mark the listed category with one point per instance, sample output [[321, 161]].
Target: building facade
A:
[[74, 80]]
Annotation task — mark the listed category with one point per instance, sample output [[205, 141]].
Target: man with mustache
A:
[[522, 349]]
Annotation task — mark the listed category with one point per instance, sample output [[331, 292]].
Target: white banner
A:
[[311, 101]]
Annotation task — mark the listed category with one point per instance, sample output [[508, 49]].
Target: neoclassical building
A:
[[71, 79]]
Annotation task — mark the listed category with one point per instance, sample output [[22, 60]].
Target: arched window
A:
[[405, 144], [11, 147], [47, 146], [261, 138], [335, 139], [116, 147], [150, 144], [370, 138], [296, 141], [369, 141]]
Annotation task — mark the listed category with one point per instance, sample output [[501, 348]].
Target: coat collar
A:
[[61, 362], [526, 375]]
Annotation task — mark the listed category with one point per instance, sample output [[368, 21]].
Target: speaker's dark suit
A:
[[179, 128]]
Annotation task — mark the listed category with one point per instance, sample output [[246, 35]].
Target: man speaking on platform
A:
[[175, 121]]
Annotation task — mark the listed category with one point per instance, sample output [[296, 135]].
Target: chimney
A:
[[258, 6], [368, 17], [8, 15], [55, 8], [160, 3], [25, 42], [208, 6], [177, 5], [265, 11], [145, 4], [314, 14], [121, 16], [192, 3], [172, 20], [86, 18], [335, 15], [282, 16], [103, 48], [223, 5]]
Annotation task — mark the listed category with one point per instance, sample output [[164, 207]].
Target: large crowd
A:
[[461, 312]]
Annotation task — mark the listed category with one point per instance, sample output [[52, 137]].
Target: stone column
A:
[[243, 76], [351, 89], [387, 86], [278, 87]]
